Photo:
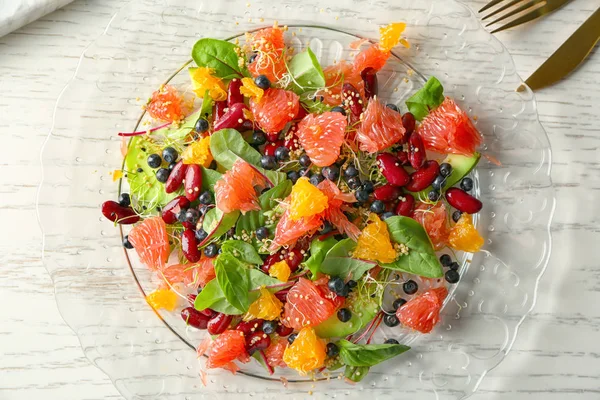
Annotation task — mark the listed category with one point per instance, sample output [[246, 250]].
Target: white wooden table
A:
[[557, 354]]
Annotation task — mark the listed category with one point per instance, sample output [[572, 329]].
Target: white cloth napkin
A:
[[16, 13]]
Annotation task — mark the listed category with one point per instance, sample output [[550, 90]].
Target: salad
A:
[[281, 213]]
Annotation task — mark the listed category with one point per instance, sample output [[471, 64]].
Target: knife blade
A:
[[568, 56]]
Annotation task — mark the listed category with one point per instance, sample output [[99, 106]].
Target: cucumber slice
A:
[[461, 166]]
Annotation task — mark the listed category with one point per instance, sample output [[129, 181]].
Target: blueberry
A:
[[391, 341], [201, 125], [445, 260], [361, 196], [292, 337], [252, 57], [336, 284], [466, 184], [304, 172], [201, 235], [258, 138], [452, 276], [268, 162], [332, 172], [332, 350], [344, 314], [350, 171], [327, 227], [456, 215], [211, 250], [387, 215], [339, 109], [262, 82], [304, 160], [410, 287], [170, 154], [438, 182], [192, 215], [377, 207], [454, 266], [354, 182], [205, 197], [262, 233], [445, 169], [154, 161], [316, 179], [126, 243], [269, 327], [368, 186], [162, 175], [181, 215], [352, 284], [433, 195], [393, 107], [293, 176], [172, 165], [345, 291], [391, 320], [398, 303], [282, 153], [124, 199]]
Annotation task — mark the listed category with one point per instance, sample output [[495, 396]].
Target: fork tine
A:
[[515, 11], [500, 9], [521, 20], [489, 5]]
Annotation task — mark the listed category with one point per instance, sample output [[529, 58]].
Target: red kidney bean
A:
[[408, 120], [234, 96], [387, 193], [193, 182], [301, 112], [233, 118], [247, 125], [463, 201], [416, 151], [351, 98], [293, 258], [194, 318], [170, 211], [291, 142], [176, 177], [271, 147], [115, 212], [219, 323], [209, 313], [405, 205], [219, 110], [282, 295], [272, 137], [257, 341], [189, 246], [188, 225], [423, 177], [249, 327], [283, 330], [369, 77], [403, 157], [191, 299], [392, 169]]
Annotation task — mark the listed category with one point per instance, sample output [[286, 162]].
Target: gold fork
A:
[[531, 10]]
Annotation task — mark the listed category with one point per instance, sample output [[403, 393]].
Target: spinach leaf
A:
[[258, 278], [269, 199], [367, 355], [242, 251], [212, 297], [421, 259], [306, 72], [206, 108], [217, 224], [356, 374], [232, 276], [339, 261], [218, 55], [209, 178], [427, 98], [318, 250]]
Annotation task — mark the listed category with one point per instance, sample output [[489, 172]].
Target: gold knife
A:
[[568, 56]]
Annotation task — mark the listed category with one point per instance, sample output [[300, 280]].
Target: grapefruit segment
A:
[[236, 189], [306, 305], [322, 136], [422, 313], [276, 108], [289, 231], [334, 212], [227, 347], [381, 127], [151, 242], [433, 219]]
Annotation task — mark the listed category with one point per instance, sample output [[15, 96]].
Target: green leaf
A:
[[421, 259], [269, 199], [242, 251], [232, 276], [207, 105], [368, 355], [258, 278], [427, 98], [314, 106], [144, 186], [218, 55], [318, 250], [363, 311], [209, 178], [216, 224], [356, 374], [306, 72], [213, 297], [339, 261]]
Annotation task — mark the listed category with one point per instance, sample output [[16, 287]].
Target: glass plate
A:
[[150, 355]]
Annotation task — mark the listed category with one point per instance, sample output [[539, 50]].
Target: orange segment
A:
[[162, 298], [306, 200], [198, 153], [249, 89], [151, 242], [463, 236], [203, 80], [306, 353], [374, 242], [389, 36], [280, 270], [267, 307]]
